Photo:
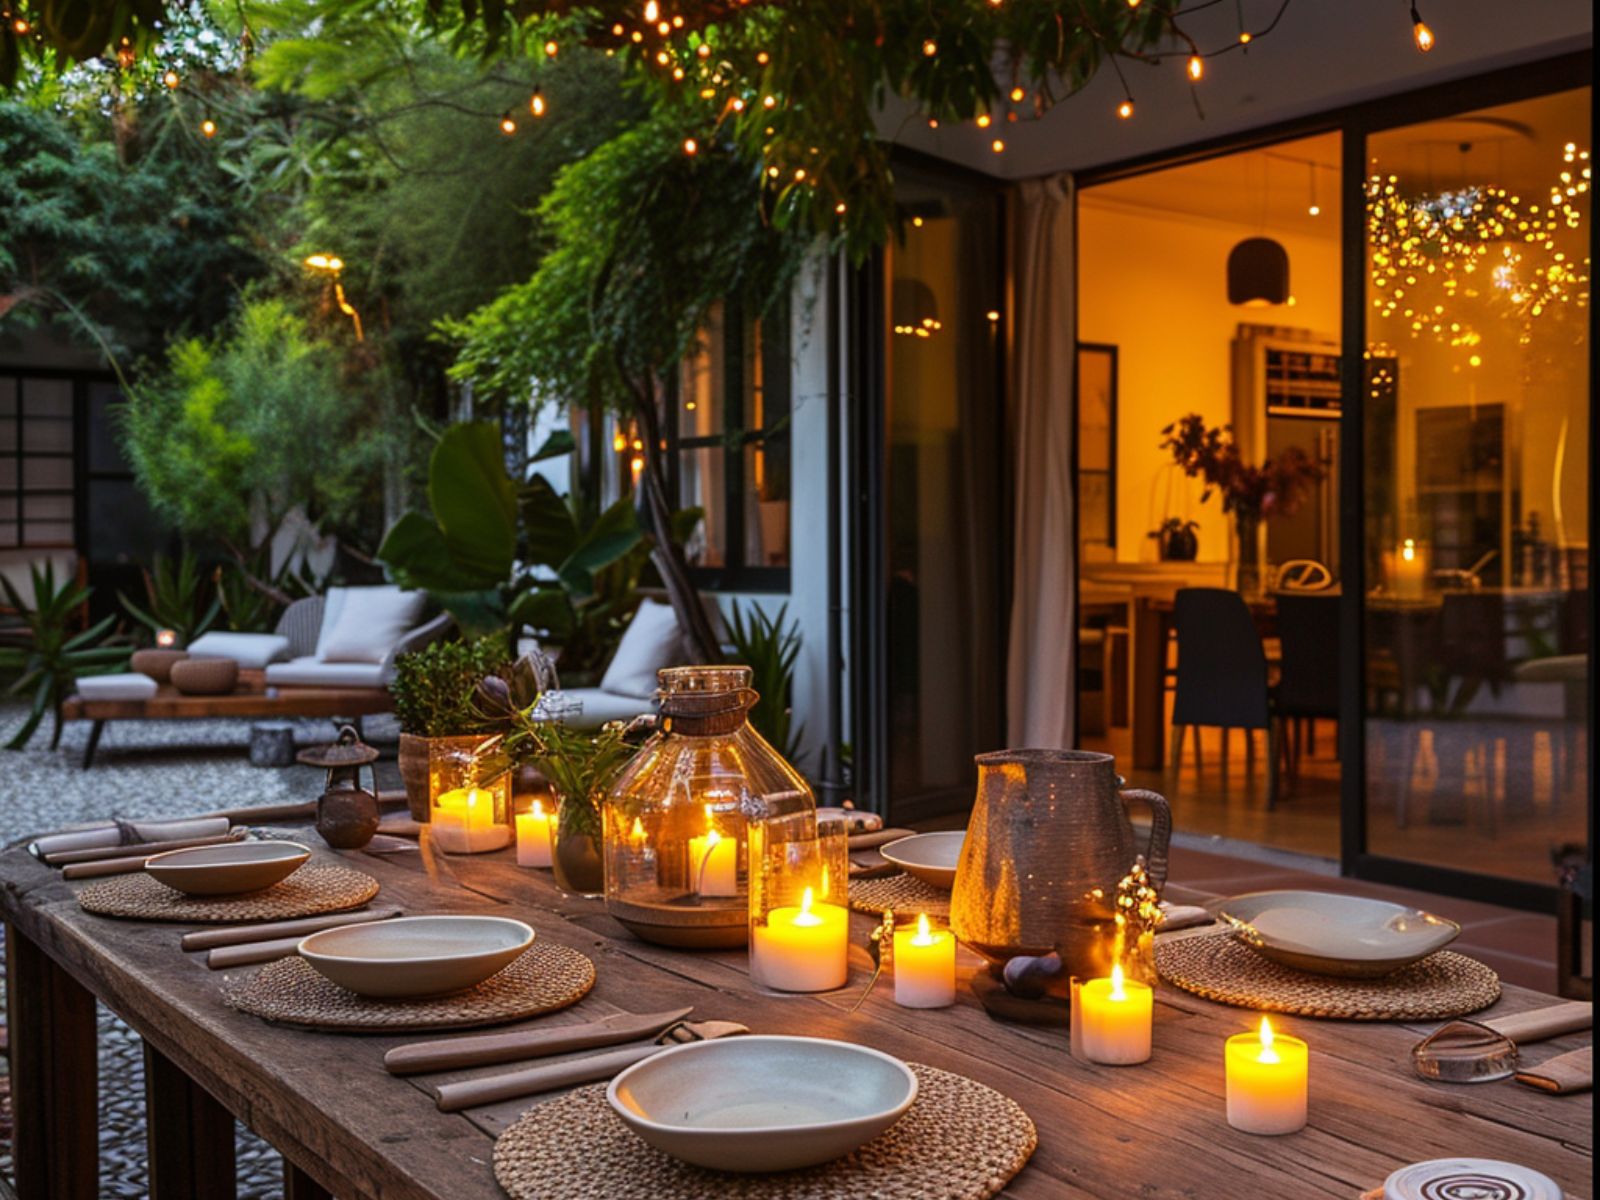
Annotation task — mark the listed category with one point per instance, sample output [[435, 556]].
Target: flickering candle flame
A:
[[536, 832], [636, 834], [805, 916], [1408, 551], [1112, 1019], [1117, 992], [1266, 1081], [924, 966], [1268, 1054], [166, 638], [924, 934]]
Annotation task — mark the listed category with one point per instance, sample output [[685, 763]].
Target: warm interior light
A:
[[1408, 549], [551, 49], [930, 48], [998, 146], [652, 10], [1244, 37], [984, 120], [1017, 95], [1268, 1054]]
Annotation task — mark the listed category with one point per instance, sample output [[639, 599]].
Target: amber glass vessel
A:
[[677, 845]]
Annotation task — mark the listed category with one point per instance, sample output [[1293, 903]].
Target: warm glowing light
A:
[[170, 78], [1125, 109], [551, 49], [924, 934], [1117, 990], [1474, 361], [208, 128], [619, 442], [917, 221], [930, 48], [635, 835], [166, 639], [769, 102], [984, 120], [1315, 210], [1244, 37], [1268, 1054], [536, 104], [691, 147], [1408, 551], [805, 916], [507, 126], [763, 58], [998, 146], [20, 25], [1420, 33], [1017, 95], [1196, 68], [993, 315], [324, 262], [839, 208], [652, 10]]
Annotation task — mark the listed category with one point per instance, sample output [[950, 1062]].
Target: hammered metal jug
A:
[[1048, 841]]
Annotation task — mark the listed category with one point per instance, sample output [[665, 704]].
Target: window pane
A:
[[702, 384], [46, 435], [1477, 468], [47, 398], [766, 522], [47, 508], [47, 533], [40, 474], [8, 395], [703, 483]]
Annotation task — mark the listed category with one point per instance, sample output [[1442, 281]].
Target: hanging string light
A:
[[208, 128], [507, 125], [1125, 109], [1313, 208], [1420, 33], [536, 104], [1196, 68], [170, 80]]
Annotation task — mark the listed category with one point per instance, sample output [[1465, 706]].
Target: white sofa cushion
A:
[[650, 643], [313, 672], [250, 650], [600, 706], [117, 687], [367, 623]]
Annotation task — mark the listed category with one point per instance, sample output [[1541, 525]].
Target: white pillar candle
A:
[[1114, 1016], [924, 966], [462, 822], [536, 834], [714, 863], [1408, 570], [1267, 1079], [802, 948]]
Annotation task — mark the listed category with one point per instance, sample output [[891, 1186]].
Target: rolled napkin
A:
[[878, 837], [1543, 1023], [271, 931], [1563, 1074], [108, 834]]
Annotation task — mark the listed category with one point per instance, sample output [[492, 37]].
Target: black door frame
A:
[[1355, 123]]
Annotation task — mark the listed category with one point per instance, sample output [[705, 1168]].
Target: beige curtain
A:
[[1042, 658]]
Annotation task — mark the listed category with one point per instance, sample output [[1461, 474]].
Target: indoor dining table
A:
[[345, 1127]]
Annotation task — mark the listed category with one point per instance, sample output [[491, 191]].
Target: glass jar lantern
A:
[[677, 819], [799, 906], [469, 795]]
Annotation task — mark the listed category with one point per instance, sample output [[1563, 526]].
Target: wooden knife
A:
[[477, 1050]]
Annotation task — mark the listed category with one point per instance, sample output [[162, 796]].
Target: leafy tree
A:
[[643, 240], [244, 427]]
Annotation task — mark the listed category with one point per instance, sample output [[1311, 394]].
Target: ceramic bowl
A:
[[762, 1103], [409, 957], [1468, 1177], [931, 857], [1329, 934], [227, 869]]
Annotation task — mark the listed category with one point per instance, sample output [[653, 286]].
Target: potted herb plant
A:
[[579, 766], [435, 697]]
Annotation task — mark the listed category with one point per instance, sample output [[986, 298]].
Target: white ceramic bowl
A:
[[410, 957], [227, 869], [1329, 934], [762, 1103], [931, 857]]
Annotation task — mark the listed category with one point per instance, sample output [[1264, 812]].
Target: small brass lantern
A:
[[347, 814]]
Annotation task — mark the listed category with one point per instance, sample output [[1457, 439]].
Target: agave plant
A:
[[174, 594], [50, 664]]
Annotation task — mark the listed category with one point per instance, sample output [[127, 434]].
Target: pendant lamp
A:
[[1258, 272]]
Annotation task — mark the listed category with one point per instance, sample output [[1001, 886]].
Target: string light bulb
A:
[[1196, 68], [691, 147], [551, 49], [1017, 95], [21, 26], [998, 146], [930, 48], [208, 128], [536, 105], [984, 120], [1125, 109], [1313, 208], [652, 11], [1420, 33], [1244, 37], [507, 125], [170, 79]]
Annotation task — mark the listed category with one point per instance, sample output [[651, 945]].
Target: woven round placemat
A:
[[290, 992], [901, 892], [309, 892], [959, 1141], [1221, 968]]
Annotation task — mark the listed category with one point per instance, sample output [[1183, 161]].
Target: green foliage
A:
[[242, 428], [50, 664], [135, 238], [246, 605], [769, 647], [580, 766], [175, 599], [435, 688], [643, 240]]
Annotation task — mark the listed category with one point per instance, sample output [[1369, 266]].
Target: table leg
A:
[[1149, 639], [54, 1052], [92, 744], [190, 1135], [297, 1185]]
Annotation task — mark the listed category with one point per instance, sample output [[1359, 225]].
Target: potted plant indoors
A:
[[435, 696], [1177, 540]]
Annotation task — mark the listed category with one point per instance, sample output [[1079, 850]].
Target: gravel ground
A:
[[146, 769]]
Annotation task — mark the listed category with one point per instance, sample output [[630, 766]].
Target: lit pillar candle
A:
[[1267, 1076], [802, 948], [463, 822], [924, 966], [1114, 1016], [536, 834], [1408, 567], [714, 861]]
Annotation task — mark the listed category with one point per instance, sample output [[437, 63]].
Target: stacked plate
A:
[[1330, 934]]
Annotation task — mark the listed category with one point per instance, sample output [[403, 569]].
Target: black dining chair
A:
[[1308, 671], [1222, 676]]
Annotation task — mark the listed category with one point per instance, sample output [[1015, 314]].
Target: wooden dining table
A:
[[347, 1128]]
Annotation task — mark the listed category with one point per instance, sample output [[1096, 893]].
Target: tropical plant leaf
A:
[[560, 442], [550, 533], [474, 500], [418, 556], [608, 539]]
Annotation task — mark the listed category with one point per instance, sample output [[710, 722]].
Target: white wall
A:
[[1154, 284]]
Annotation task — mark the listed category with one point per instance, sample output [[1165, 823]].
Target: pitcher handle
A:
[[1155, 853]]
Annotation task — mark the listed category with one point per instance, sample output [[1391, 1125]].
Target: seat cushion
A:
[[117, 687], [600, 706], [313, 672], [366, 623], [650, 643], [251, 651]]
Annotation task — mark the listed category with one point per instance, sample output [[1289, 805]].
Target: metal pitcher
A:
[[1048, 841]]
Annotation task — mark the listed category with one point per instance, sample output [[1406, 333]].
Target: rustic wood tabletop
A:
[[347, 1127]]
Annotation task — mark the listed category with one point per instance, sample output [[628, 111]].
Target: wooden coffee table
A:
[[252, 698]]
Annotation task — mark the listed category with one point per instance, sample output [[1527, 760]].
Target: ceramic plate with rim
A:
[[931, 857], [762, 1103], [1331, 934], [405, 958], [1483, 1177], [227, 869]]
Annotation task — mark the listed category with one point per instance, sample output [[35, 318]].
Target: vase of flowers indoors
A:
[[579, 766], [1250, 494]]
